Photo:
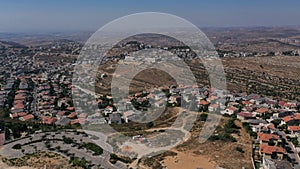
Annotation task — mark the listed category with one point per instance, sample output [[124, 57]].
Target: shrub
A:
[[17, 146], [93, 147], [67, 140], [203, 116], [240, 149]]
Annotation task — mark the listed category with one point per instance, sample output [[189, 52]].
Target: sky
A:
[[90, 15]]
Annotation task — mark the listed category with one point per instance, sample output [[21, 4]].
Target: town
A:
[[38, 111]]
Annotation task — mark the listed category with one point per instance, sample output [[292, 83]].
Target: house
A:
[[63, 121], [291, 120], [245, 116], [294, 129], [19, 97], [72, 115], [70, 108], [13, 115], [108, 110], [60, 113], [175, 99], [21, 114], [258, 127], [82, 115], [138, 94], [261, 111], [268, 138], [27, 117], [128, 115], [78, 121], [48, 120], [212, 98], [16, 115], [115, 118], [213, 107], [203, 103], [271, 152], [230, 110], [19, 106]]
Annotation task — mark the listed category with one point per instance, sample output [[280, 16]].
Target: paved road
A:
[[294, 154]]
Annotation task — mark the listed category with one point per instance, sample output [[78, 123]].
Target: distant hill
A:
[[10, 44]]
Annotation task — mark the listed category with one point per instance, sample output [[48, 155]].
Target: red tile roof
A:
[[245, 114], [19, 106], [61, 113], [281, 103], [245, 102], [203, 102], [232, 108], [262, 110], [267, 137], [15, 115], [213, 97], [72, 115], [291, 117], [48, 120], [287, 118], [297, 116], [70, 108], [271, 126], [294, 128], [21, 114], [77, 121], [265, 149], [19, 97], [82, 115], [27, 117]]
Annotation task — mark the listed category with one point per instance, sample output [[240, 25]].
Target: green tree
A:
[[203, 116]]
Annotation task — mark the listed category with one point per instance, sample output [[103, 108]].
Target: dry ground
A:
[[38, 161]]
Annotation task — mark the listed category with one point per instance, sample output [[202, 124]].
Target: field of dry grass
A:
[[37, 161], [276, 76]]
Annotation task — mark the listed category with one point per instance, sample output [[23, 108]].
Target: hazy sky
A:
[[89, 15]]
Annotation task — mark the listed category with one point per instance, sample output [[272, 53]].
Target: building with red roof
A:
[[70, 108], [262, 110], [61, 113], [72, 115], [292, 119], [266, 138], [272, 152], [245, 116], [203, 102], [27, 117], [48, 120], [294, 129], [19, 97]]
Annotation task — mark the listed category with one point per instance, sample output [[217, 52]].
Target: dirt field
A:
[[37, 161], [223, 154], [281, 66], [189, 160]]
